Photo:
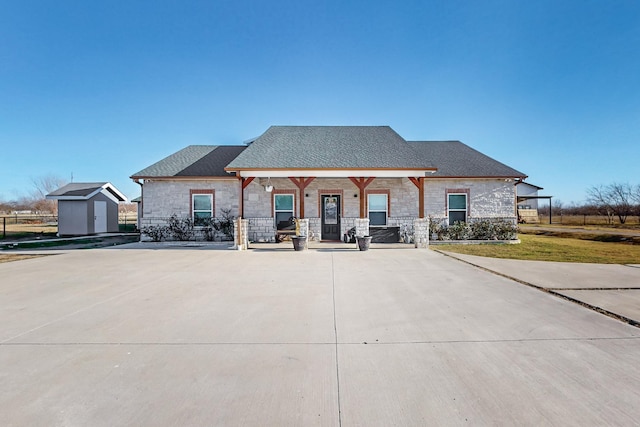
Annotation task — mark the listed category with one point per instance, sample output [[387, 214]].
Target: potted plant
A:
[[299, 242], [363, 242]]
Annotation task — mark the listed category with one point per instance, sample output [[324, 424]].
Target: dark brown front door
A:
[[330, 217]]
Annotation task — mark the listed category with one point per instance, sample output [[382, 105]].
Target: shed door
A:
[[100, 216]]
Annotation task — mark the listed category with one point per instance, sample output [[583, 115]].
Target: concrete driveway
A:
[[329, 337]]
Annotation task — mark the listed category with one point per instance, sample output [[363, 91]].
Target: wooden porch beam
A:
[[246, 181], [362, 183], [302, 183]]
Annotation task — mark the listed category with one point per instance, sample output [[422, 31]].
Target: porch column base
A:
[[240, 234], [362, 227], [421, 233], [303, 225]]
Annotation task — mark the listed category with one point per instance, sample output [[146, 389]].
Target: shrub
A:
[[478, 229], [218, 228], [209, 229], [505, 230], [181, 228], [459, 231], [225, 223], [483, 229], [156, 232]]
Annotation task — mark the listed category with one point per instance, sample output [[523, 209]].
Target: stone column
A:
[[303, 224], [421, 232], [240, 234], [362, 227]]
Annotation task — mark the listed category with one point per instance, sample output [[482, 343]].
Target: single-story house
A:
[[87, 208], [337, 177]]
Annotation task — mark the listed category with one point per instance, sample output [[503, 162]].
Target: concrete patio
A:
[[129, 336]]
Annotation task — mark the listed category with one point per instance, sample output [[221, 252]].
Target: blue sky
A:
[[103, 89]]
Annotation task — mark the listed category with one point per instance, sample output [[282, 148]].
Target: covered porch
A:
[[382, 203]]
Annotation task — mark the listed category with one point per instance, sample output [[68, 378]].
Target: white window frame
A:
[[275, 210], [465, 210], [194, 210], [386, 209]]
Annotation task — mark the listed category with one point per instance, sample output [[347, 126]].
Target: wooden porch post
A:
[[362, 183], [419, 182], [243, 184], [302, 183]]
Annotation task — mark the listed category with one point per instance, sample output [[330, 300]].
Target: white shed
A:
[[87, 208]]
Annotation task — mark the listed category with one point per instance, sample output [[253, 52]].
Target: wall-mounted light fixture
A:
[[269, 187]]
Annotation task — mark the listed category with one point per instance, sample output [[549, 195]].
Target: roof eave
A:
[[182, 177], [332, 172]]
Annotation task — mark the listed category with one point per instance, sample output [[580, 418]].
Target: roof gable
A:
[[328, 147]]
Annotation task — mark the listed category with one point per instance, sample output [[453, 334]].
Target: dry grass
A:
[[16, 257], [31, 228], [546, 248]]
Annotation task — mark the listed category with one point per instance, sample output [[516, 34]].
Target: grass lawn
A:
[[546, 248]]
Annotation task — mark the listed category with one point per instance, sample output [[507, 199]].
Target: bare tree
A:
[[44, 185], [613, 200]]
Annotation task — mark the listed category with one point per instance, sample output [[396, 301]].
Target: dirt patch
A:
[[611, 236], [17, 257]]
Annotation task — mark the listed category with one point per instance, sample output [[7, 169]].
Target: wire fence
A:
[[595, 220], [23, 225]]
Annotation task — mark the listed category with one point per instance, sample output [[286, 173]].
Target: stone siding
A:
[[488, 198], [161, 199]]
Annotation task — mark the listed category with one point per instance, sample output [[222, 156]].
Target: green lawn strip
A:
[[547, 248]]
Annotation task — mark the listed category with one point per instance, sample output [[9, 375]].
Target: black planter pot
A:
[[363, 242], [299, 243]]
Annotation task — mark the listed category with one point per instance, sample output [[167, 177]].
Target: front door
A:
[[330, 217]]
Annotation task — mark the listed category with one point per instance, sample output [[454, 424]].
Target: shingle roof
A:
[[194, 160], [328, 147], [455, 159], [84, 190]]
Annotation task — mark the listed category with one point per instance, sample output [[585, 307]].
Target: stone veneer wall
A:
[[488, 198], [262, 230], [161, 199]]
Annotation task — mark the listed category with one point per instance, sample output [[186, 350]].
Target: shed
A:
[[87, 208]]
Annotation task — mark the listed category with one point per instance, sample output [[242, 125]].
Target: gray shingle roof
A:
[[85, 190], [455, 159], [194, 160], [77, 189], [328, 147]]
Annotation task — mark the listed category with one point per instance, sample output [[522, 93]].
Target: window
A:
[[457, 208], [283, 210], [377, 209], [202, 208]]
